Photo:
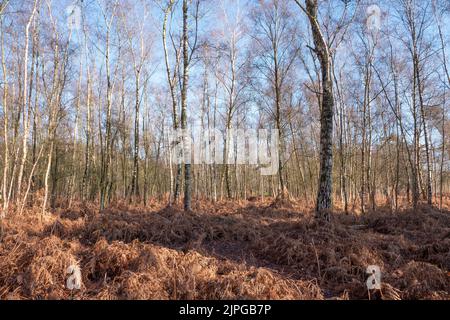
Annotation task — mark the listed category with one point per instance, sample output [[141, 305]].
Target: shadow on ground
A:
[[235, 251]]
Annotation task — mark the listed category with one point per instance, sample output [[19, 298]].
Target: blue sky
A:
[[215, 15]]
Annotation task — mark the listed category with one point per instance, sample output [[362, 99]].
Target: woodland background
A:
[[85, 110]]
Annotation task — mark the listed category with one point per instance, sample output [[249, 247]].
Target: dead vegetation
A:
[[251, 250]]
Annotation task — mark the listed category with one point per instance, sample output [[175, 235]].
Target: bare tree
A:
[[277, 41], [5, 195], [188, 52], [25, 106], [171, 79], [322, 50], [106, 159]]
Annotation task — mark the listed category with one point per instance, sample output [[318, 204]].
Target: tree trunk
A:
[[187, 166], [325, 185]]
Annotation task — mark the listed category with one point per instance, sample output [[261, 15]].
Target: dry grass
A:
[[247, 250]]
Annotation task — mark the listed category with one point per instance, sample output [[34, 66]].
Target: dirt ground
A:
[[229, 250]]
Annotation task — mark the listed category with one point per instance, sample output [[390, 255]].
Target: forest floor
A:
[[230, 250]]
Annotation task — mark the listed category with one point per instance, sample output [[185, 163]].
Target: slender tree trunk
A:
[[325, 185], [47, 176], [425, 131], [25, 107], [75, 138], [87, 156], [106, 159], [447, 73], [171, 80], [5, 195], [187, 166], [135, 175], [277, 86]]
